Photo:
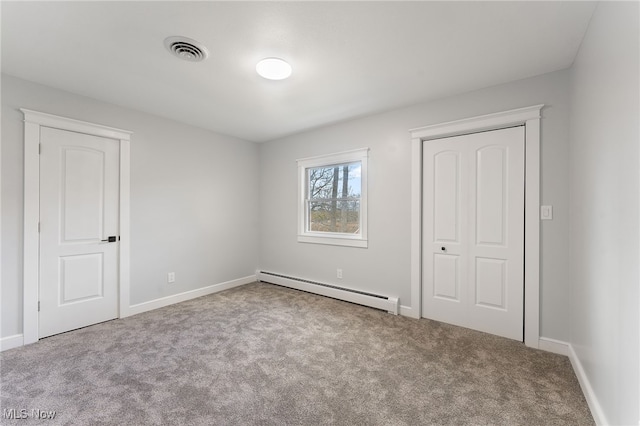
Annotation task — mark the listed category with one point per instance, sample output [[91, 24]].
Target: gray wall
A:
[[193, 198], [180, 177], [384, 267], [604, 209]]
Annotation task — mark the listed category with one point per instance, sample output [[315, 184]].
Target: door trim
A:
[[33, 121], [530, 118]]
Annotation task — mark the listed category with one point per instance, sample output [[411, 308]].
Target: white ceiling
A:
[[349, 58]]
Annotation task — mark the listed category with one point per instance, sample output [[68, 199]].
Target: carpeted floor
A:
[[263, 354]]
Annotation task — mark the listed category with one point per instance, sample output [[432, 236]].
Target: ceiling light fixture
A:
[[273, 69]]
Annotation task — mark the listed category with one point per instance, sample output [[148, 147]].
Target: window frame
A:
[[332, 238]]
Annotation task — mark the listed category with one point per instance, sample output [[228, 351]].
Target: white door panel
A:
[[82, 193], [490, 283], [444, 275], [79, 184], [490, 195], [81, 277], [446, 281], [446, 195], [473, 233]]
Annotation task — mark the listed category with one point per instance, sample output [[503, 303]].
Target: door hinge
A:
[[39, 148], [38, 227], [38, 306]]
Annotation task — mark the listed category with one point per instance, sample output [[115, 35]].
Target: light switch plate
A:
[[546, 212]]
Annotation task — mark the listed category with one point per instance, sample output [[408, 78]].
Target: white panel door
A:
[[79, 184], [473, 233]]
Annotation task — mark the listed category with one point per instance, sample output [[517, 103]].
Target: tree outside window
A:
[[334, 198]]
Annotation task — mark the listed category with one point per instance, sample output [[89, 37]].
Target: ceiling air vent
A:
[[186, 48]]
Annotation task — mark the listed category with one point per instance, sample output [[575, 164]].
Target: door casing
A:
[[33, 121], [530, 118]]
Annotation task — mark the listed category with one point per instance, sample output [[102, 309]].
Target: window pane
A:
[[334, 216], [337, 181], [332, 202]]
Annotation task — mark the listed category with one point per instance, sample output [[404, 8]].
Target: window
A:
[[332, 199]]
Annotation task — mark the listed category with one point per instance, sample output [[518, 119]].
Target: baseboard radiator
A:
[[389, 304]]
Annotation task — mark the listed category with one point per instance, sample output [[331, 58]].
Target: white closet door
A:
[[473, 233]]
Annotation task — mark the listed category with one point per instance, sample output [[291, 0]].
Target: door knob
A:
[[444, 249], [111, 239]]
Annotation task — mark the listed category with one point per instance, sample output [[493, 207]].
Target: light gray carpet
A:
[[263, 354]]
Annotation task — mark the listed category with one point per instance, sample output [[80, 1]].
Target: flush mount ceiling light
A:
[[186, 48], [273, 69]]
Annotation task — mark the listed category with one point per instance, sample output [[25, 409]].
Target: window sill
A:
[[334, 241]]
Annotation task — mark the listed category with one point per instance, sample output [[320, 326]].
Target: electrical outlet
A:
[[339, 273], [171, 277]]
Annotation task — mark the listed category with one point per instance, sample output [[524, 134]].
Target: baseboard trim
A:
[[552, 345], [587, 390], [11, 342], [188, 295], [406, 311]]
